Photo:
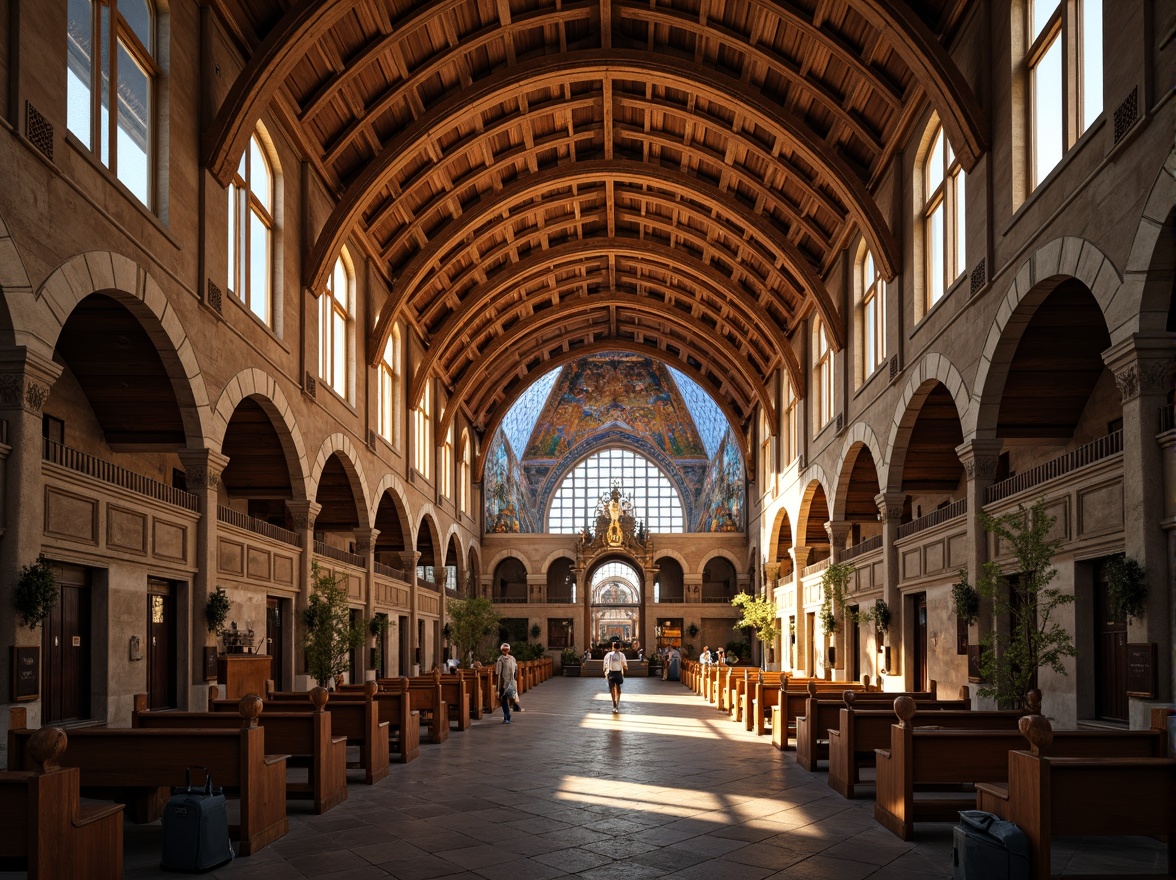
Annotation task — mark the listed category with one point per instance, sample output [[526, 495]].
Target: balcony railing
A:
[[786, 580], [716, 600], [860, 549], [934, 518], [389, 571], [257, 526], [815, 567], [1103, 447], [429, 585], [341, 555], [106, 472], [511, 600]]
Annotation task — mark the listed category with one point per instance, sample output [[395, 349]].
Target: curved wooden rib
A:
[[279, 53], [792, 133], [948, 91]]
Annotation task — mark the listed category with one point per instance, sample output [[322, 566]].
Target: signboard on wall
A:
[[1141, 670], [26, 673]]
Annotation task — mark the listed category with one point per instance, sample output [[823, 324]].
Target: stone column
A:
[[408, 561], [202, 471], [890, 507], [303, 514], [25, 380], [800, 557], [1143, 366], [771, 577], [980, 458], [838, 530], [365, 546]]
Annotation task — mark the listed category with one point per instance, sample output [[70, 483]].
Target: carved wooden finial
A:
[[811, 687], [848, 698], [46, 747], [760, 678], [965, 692], [370, 689], [1039, 732], [250, 707], [866, 681], [784, 682], [1033, 701], [437, 675], [319, 697], [905, 708]]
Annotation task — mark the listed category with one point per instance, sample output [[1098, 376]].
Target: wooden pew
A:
[[305, 736], [425, 698], [473, 685], [46, 831], [455, 691], [919, 758], [790, 703], [378, 730], [1050, 795], [822, 716], [133, 762]]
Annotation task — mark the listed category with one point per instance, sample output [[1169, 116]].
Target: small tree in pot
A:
[[36, 592], [330, 633]]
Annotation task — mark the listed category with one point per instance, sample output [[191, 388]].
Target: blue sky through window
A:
[[520, 420], [708, 418]]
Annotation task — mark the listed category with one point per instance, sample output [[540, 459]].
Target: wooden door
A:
[[65, 646], [920, 647], [161, 644], [275, 643], [854, 666], [1110, 654]]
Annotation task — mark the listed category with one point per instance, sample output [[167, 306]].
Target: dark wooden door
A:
[[161, 644], [855, 657], [65, 646], [1110, 654], [920, 647], [275, 644]]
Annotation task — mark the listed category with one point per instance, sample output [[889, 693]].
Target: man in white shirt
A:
[[615, 667]]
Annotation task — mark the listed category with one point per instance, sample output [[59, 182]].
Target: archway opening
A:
[[616, 604]]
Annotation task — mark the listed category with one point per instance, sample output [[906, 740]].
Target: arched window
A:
[[251, 225], [765, 463], [943, 218], [335, 326], [446, 476], [1064, 64], [423, 432], [822, 377], [389, 396], [111, 63], [791, 438], [655, 500], [870, 315], [463, 487]]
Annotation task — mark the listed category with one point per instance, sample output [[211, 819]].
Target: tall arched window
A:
[[943, 218], [251, 225], [822, 377], [111, 63], [655, 500], [870, 314], [423, 432], [463, 486], [446, 476], [765, 463], [791, 438], [335, 326], [389, 396]]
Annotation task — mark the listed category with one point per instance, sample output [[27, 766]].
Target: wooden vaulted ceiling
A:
[[536, 179]]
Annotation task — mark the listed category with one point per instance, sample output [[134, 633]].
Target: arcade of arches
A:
[[406, 290]]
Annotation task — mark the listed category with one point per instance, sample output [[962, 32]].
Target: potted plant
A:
[[471, 622], [36, 592], [216, 610], [759, 614], [569, 661], [692, 630], [1126, 588], [330, 634], [535, 631], [965, 599]]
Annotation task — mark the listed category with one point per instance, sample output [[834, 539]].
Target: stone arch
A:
[[1068, 257], [860, 434], [1144, 298], [427, 519], [934, 367], [394, 485], [264, 389], [349, 456], [717, 553], [14, 278], [674, 555], [772, 542], [501, 556], [129, 284], [558, 554], [817, 480]]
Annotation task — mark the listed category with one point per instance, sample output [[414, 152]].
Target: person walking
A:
[[615, 667], [506, 668]]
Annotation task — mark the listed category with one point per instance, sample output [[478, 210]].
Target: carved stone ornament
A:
[[303, 519], [1155, 377], [981, 467], [16, 391], [201, 477], [1127, 382]]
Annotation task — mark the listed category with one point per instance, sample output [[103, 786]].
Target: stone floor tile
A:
[[573, 860]]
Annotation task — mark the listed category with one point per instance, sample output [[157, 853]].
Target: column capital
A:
[[980, 457], [800, 555], [408, 559], [26, 377], [1143, 364], [837, 530], [771, 573], [890, 505], [303, 513], [202, 468], [365, 539]]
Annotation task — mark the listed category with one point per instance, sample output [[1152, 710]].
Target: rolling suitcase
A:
[[196, 828], [985, 847]]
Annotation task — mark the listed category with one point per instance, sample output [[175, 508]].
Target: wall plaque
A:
[[1141, 669], [210, 663], [26, 673]]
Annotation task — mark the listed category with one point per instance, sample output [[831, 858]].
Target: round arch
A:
[[501, 556], [817, 480], [552, 557], [861, 435], [339, 444], [394, 486], [1144, 299], [934, 367], [720, 553], [14, 278], [772, 544]]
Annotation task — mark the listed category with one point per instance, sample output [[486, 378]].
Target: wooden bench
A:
[[473, 679], [822, 716], [305, 736], [1048, 794], [425, 698], [143, 764], [747, 685], [46, 831], [379, 731], [791, 698], [922, 758]]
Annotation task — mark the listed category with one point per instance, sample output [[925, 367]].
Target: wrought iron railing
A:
[[1103, 447], [83, 463], [257, 526], [389, 571], [934, 518], [341, 555], [864, 547]]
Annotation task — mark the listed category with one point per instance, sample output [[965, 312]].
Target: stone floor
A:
[[667, 788]]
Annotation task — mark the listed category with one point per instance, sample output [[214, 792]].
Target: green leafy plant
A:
[[535, 631], [965, 599], [36, 592], [216, 610], [880, 614], [377, 626], [1126, 588], [834, 583], [471, 622], [1009, 662], [527, 651], [330, 632], [569, 657], [692, 630], [759, 615]]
